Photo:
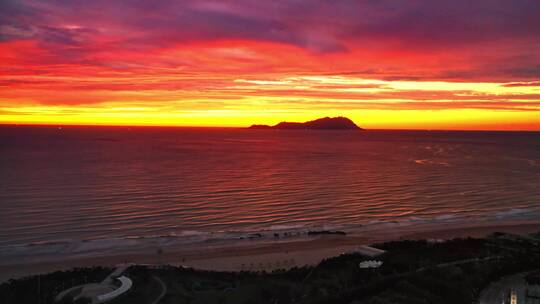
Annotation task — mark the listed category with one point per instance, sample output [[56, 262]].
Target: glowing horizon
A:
[[235, 64]]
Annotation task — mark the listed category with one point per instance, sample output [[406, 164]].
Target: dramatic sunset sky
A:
[[457, 64]]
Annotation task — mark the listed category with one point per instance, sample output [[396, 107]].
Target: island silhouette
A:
[[326, 123]]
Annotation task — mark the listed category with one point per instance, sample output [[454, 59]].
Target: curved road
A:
[[163, 290]]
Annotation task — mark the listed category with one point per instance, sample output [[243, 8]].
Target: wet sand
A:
[[257, 256]]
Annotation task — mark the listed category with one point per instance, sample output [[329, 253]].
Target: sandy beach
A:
[[257, 257]]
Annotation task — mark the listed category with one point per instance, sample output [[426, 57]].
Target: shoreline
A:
[[259, 256]]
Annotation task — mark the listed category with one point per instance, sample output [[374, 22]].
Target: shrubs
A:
[[44, 288], [533, 278], [413, 272]]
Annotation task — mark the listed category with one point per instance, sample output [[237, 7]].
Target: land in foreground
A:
[[252, 255], [413, 271]]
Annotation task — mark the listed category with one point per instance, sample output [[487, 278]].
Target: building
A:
[[370, 264]]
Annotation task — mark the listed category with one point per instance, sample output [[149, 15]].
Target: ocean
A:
[[95, 190]]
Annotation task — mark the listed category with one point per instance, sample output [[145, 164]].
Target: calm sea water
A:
[[98, 187]]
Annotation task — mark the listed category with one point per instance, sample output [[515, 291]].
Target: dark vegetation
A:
[[413, 272], [533, 278], [44, 288]]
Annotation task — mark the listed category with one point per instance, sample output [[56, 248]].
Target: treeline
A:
[[451, 272], [44, 288]]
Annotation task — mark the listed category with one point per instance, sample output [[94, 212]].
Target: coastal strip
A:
[[259, 256]]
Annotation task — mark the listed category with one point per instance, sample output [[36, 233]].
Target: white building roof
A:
[[370, 264]]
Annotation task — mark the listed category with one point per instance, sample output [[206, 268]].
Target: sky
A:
[[386, 64]]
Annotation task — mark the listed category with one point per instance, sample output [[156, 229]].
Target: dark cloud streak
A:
[[494, 38]]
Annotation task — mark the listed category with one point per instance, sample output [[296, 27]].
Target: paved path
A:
[[126, 285], [460, 262], [163, 290], [116, 273]]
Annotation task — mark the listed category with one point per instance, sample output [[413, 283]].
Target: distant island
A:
[[326, 123]]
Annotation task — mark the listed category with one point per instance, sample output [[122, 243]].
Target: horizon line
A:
[[245, 127]]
